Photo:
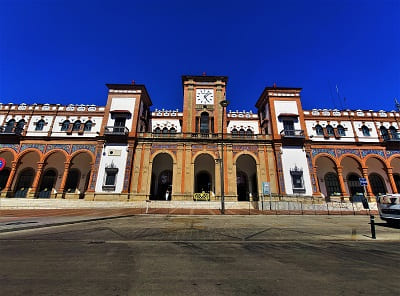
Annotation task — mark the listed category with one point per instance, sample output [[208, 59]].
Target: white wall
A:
[[97, 121], [286, 107], [291, 157], [166, 122], [245, 124], [119, 161], [122, 104], [310, 126]]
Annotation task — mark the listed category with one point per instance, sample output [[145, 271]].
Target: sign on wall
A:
[[266, 188]]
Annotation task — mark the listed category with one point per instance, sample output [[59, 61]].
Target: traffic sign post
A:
[[363, 182]]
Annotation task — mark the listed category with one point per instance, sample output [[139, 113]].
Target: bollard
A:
[[372, 222]]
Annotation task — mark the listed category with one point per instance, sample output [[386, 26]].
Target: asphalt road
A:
[[203, 255]]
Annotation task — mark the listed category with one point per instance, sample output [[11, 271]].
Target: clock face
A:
[[205, 96]]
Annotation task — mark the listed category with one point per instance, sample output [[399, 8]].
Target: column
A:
[[35, 183], [365, 175], [315, 183], [339, 171], [67, 165], [391, 180], [10, 180]]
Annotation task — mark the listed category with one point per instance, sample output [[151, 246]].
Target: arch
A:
[[377, 184], [72, 181], [234, 132], [319, 130], [9, 126], [325, 165], [47, 183], [65, 125], [74, 154], [365, 131], [383, 160], [39, 125], [353, 182], [197, 154], [5, 150], [392, 159], [81, 160], [204, 172], [355, 157], [246, 177], [329, 130], [76, 126], [24, 182], [334, 159], [163, 151], [332, 184], [172, 130], [341, 131], [393, 132], [384, 133], [162, 176], [88, 126], [53, 151], [29, 150], [157, 130]]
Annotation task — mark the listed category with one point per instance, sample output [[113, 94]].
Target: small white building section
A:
[[111, 172], [243, 121], [284, 109], [295, 171], [166, 120], [121, 105]]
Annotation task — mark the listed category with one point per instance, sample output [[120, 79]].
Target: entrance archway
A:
[[353, 183], [246, 178], [377, 184], [24, 182], [47, 183], [327, 176], [161, 177], [204, 173]]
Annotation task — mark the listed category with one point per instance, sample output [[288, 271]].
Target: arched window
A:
[[204, 123], [332, 184], [77, 125], [365, 131], [242, 132], [39, 125], [165, 130], [172, 130], [249, 132], [329, 130], [341, 131], [393, 132], [319, 130], [88, 126], [377, 184], [234, 132], [384, 133], [353, 182], [10, 126], [157, 130], [19, 127], [65, 125]]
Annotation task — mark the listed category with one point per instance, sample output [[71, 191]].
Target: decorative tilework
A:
[[280, 173], [392, 152], [95, 170], [310, 168], [128, 169], [15, 147], [317, 151], [366, 152], [76, 147], [35, 146], [65, 147], [340, 152], [245, 148], [197, 146], [163, 146]]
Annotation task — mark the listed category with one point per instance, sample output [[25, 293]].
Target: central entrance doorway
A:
[[204, 173]]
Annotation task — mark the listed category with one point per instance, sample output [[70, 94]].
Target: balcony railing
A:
[[292, 133], [116, 131]]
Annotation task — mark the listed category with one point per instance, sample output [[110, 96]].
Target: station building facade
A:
[[125, 151]]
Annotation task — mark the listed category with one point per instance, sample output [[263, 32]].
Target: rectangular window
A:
[[297, 180], [110, 178], [288, 127]]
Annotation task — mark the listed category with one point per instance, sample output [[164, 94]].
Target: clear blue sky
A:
[[56, 51]]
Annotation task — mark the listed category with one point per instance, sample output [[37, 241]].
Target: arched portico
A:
[[161, 177], [204, 173], [246, 178]]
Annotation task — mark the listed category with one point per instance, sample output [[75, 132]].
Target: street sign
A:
[[363, 181], [2, 163], [266, 188]]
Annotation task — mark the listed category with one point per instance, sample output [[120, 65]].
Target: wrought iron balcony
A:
[[116, 131], [292, 133], [392, 137]]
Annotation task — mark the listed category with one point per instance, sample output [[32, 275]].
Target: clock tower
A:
[[201, 106]]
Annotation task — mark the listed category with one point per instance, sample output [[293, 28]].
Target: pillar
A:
[[35, 183], [67, 165], [341, 180], [11, 177], [391, 180], [365, 175]]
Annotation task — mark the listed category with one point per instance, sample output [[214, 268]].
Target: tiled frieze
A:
[[15, 147], [65, 147], [39, 147]]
